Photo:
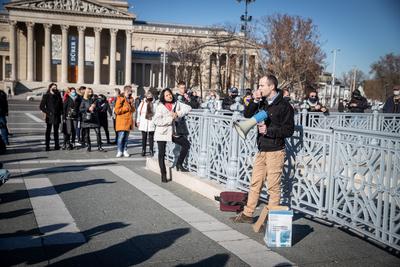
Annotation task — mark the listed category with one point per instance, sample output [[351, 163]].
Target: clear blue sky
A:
[[364, 30]]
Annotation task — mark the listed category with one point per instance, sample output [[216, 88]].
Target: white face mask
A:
[[396, 92]]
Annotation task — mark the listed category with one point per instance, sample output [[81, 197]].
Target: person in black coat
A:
[[104, 108], [3, 115], [90, 119], [71, 117], [392, 104], [358, 103], [230, 100], [52, 106]]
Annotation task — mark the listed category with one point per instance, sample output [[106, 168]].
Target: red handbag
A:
[[232, 201]]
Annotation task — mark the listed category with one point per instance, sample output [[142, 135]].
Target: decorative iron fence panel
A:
[[365, 121], [312, 162], [364, 193]]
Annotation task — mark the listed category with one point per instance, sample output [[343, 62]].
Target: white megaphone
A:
[[243, 127]]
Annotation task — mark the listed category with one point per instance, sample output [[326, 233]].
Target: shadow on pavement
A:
[[46, 191], [300, 231], [66, 168], [14, 213], [130, 252], [39, 255], [216, 260]]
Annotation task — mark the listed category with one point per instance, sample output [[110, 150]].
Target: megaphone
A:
[[243, 127]]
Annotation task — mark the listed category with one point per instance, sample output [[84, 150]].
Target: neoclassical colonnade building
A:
[[102, 45]]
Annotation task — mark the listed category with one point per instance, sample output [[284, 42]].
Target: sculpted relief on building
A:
[[75, 6]]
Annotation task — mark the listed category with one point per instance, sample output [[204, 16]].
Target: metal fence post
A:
[[202, 168], [231, 182], [375, 118], [304, 113]]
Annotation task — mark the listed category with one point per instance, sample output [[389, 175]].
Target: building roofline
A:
[[166, 24]]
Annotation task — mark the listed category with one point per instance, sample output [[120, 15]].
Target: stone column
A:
[[13, 50], [143, 74], [227, 70], [81, 54], [29, 76], [64, 53], [128, 57], [3, 62], [113, 51], [151, 76], [159, 78], [237, 71], [97, 51], [47, 52]]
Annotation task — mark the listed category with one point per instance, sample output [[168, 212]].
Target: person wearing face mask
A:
[[90, 119], [71, 117], [168, 113], [358, 103], [145, 123], [104, 111], [117, 92], [392, 104], [52, 106], [124, 109], [314, 105]]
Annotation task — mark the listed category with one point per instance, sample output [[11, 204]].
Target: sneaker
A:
[[241, 218], [126, 154], [119, 154]]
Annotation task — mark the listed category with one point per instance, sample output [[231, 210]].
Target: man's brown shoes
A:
[[241, 218]]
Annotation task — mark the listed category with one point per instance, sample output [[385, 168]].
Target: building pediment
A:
[[83, 7]]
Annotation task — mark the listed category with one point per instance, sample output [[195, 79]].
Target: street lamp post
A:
[[334, 51], [245, 19]]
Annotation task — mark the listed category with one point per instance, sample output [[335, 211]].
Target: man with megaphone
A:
[[274, 117]]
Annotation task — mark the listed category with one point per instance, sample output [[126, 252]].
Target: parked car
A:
[[36, 96]]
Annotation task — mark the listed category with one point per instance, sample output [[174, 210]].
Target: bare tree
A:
[[348, 78], [187, 53], [387, 70], [291, 51]]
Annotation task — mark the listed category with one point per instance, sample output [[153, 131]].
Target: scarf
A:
[[149, 111]]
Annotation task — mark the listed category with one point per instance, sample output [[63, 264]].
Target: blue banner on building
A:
[[72, 50]]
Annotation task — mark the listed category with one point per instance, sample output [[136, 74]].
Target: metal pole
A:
[[163, 70], [244, 50], [333, 75]]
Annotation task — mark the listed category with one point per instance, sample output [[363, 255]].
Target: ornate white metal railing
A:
[[366, 121], [344, 167]]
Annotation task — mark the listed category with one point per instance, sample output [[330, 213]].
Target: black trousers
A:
[[104, 124], [86, 136], [144, 140], [70, 133], [185, 146], [55, 132]]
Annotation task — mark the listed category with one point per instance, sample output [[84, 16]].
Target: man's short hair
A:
[[181, 83], [127, 87], [272, 79]]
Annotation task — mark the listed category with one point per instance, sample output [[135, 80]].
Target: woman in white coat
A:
[[145, 123], [168, 112]]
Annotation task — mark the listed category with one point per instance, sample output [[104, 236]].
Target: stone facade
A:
[[101, 45]]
